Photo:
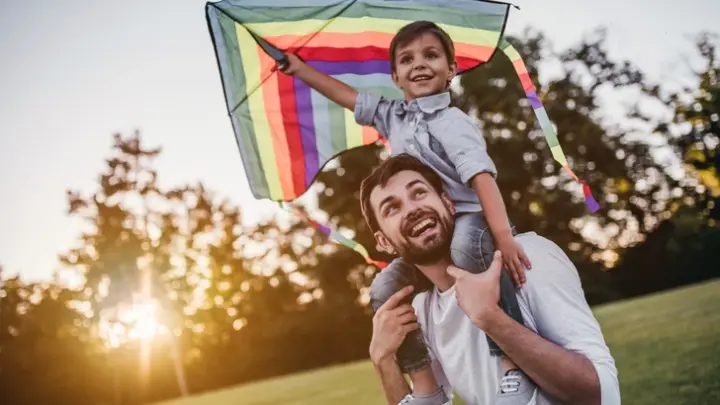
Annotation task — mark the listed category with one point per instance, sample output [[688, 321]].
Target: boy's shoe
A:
[[516, 388], [436, 398]]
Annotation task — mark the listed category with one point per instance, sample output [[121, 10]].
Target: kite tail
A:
[[333, 234], [544, 120]]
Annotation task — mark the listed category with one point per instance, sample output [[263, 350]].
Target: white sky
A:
[[74, 72]]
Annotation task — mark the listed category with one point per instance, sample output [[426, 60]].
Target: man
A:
[[561, 347]]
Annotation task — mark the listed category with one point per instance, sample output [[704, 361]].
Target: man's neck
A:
[[437, 274]]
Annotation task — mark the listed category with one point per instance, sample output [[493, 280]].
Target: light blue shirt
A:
[[442, 137]]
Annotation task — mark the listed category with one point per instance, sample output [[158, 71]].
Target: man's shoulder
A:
[[550, 264]]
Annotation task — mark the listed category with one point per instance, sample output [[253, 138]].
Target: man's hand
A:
[[478, 294], [391, 323], [514, 258]]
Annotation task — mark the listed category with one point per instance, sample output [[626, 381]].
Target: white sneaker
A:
[[436, 398], [516, 388]]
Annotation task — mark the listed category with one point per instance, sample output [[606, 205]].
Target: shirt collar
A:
[[428, 105]]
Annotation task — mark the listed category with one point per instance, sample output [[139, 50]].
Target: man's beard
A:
[[430, 250]]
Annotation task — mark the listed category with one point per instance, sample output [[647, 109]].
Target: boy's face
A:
[[421, 67]]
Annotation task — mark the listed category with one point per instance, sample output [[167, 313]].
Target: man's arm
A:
[[392, 379], [391, 323], [568, 357], [568, 376]]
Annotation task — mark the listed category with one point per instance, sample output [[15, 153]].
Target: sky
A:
[[72, 73]]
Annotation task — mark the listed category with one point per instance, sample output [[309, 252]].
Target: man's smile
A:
[[420, 226]]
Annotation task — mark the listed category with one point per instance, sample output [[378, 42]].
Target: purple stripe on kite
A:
[[307, 129], [355, 67], [534, 100], [324, 229]]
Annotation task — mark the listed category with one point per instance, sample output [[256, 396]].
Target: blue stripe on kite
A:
[[321, 119], [366, 80]]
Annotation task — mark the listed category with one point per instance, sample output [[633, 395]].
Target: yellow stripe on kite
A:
[[277, 129], [353, 131], [345, 25], [251, 65]]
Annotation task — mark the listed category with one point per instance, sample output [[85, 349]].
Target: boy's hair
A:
[[382, 174], [415, 29]]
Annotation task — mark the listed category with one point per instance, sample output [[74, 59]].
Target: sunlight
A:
[[138, 321]]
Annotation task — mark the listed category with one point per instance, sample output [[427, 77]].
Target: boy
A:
[[425, 126]]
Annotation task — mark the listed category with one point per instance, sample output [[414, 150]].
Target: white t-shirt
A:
[[553, 305]]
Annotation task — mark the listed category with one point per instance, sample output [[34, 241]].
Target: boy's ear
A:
[[384, 244], [396, 79], [453, 71]]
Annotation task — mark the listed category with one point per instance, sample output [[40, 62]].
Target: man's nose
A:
[[412, 208]]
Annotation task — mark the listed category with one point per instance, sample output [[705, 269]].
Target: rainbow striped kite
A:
[[287, 132]]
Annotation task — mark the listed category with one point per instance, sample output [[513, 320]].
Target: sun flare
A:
[[138, 321]]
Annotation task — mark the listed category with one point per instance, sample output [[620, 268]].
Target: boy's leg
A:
[[412, 356], [472, 249]]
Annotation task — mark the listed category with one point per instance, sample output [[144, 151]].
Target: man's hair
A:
[[382, 174], [414, 30]]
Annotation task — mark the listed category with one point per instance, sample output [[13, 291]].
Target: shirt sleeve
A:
[[372, 110], [556, 301], [464, 144]]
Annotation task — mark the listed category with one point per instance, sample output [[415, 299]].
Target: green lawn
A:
[[667, 349]]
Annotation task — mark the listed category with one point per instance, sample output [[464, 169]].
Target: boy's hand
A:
[[514, 258], [293, 64]]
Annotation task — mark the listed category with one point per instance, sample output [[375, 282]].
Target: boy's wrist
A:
[[503, 235]]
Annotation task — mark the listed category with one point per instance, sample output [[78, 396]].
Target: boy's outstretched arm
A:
[[329, 87]]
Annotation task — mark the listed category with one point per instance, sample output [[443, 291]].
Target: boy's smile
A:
[[422, 68]]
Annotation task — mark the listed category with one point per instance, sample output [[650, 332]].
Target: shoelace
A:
[[509, 383], [406, 400]]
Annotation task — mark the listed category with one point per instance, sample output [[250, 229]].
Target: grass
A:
[[666, 347]]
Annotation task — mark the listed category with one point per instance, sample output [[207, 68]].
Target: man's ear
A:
[[384, 243], [448, 202]]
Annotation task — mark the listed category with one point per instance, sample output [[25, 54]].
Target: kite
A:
[[287, 132]]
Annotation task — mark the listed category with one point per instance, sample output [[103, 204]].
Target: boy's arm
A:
[[492, 202], [328, 86], [369, 109], [466, 148]]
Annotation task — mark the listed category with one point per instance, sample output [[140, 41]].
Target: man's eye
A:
[[419, 192]]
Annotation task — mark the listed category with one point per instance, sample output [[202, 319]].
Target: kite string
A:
[[334, 234], [544, 120]]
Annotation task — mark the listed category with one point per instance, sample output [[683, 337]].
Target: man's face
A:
[[415, 221], [421, 67]]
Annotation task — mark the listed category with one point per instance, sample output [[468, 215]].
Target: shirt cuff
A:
[[609, 386], [468, 168], [366, 105]]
